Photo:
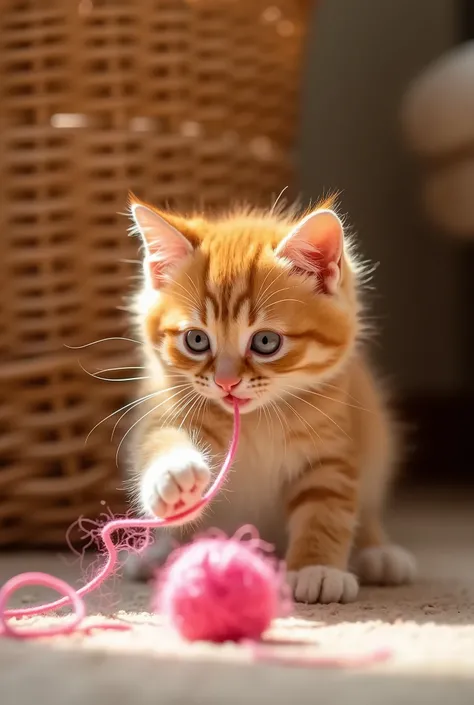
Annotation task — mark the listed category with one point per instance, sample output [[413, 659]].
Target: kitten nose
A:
[[227, 382]]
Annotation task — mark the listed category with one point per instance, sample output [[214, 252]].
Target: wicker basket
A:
[[180, 101]]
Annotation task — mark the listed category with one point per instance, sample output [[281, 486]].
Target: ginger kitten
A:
[[265, 309]]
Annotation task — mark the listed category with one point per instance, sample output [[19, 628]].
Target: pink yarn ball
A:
[[220, 590]]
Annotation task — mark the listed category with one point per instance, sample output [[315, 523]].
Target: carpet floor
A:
[[427, 628]]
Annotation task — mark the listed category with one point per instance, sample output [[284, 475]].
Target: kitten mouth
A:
[[231, 400]]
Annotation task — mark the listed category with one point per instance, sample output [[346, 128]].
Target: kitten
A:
[[265, 309]]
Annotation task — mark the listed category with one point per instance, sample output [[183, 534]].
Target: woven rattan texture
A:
[[184, 102]]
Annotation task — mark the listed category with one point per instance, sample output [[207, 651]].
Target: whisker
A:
[[129, 404], [204, 412], [176, 378], [201, 407], [189, 398], [334, 386], [268, 420], [173, 413], [189, 295], [272, 269], [338, 401], [277, 199], [304, 422], [259, 417], [201, 411], [115, 379], [117, 412], [265, 413], [164, 419], [272, 294], [102, 340], [281, 301], [193, 285], [277, 411], [150, 411], [95, 375], [262, 293], [193, 304], [316, 408], [119, 369], [274, 407], [180, 406], [196, 411], [179, 386], [131, 407], [193, 405]]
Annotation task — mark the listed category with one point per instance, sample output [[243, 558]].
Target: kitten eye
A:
[[197, 341], [265, 342]]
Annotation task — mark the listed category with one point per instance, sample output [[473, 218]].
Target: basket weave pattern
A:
[[184, 102]]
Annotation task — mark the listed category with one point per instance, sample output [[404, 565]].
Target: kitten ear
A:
[[315, 247], [165, 246]]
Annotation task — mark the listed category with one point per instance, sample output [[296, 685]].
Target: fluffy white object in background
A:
[[438, 123]]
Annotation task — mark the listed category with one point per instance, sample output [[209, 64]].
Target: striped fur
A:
[[318, 445]]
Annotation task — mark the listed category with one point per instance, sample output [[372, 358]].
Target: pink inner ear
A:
[[327, 273], [165, 246], [168, 249], [315, 247], [157, 270], [165, 254]]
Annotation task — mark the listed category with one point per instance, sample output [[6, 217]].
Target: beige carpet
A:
[[429, 629]]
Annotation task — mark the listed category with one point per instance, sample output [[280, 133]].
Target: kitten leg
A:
[[174, 473], [322, 517], [142, 567], [375, 560], [172, 476]]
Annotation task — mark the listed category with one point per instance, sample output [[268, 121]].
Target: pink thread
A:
[[74, 597], [89, 533]]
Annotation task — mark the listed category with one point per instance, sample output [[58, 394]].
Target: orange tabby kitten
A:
[[265, 309]]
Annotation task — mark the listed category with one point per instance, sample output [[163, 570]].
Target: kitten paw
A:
[[174, 482], [385, 565], [320, 583]]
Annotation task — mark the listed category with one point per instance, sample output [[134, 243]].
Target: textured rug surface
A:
[[428, 629]]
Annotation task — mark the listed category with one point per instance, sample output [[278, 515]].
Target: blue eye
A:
[[197, 341], [266, 342]]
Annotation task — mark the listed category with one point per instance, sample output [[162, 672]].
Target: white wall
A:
[[362, 54]]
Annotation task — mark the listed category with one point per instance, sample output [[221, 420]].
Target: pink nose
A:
[[227, 382]]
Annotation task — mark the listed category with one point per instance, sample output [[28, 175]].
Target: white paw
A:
[[320, 583], [174, 482], [385, 565]]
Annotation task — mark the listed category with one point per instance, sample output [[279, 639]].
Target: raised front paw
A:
[[174, 482], [385, 565], [320, 583]]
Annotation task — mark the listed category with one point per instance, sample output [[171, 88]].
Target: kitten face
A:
[[249, 310]]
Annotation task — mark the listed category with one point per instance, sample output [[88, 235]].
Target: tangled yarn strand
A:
[[74, 597]]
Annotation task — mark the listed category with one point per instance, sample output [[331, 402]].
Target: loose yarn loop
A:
[[74, 597]]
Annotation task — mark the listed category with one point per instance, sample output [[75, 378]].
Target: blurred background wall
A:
[[361, 57]]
